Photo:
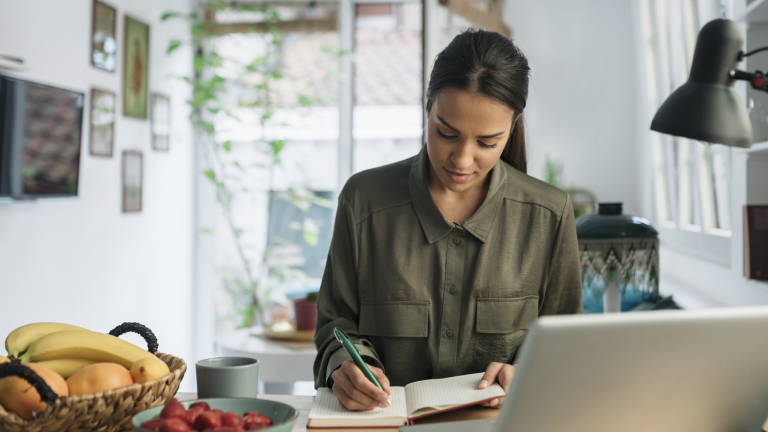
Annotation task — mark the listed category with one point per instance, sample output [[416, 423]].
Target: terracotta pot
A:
[[306, 314]]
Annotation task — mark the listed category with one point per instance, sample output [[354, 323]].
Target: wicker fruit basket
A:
[[107, 411]]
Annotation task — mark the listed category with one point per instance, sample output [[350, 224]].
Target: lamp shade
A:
[[706, 108]]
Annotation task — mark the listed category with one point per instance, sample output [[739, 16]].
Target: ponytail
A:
[[514, 152]]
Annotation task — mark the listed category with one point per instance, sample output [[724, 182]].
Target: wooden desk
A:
[[304, 403]]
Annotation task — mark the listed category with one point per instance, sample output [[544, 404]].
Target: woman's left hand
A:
[[497, 372]]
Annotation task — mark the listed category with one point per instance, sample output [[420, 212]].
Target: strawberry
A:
[[207, 420], [174, 425], [192, 414], [205, 406], [152, 425], [232, 419], [174, 409]]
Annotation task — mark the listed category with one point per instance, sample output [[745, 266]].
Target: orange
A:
[[18, 396], [98, 377]]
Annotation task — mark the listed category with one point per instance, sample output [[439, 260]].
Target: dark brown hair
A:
[[490, 64]]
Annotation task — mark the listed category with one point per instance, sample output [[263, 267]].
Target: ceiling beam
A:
[[477, 16]]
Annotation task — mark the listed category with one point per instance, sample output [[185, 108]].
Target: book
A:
[[414, 401], [756, 242]]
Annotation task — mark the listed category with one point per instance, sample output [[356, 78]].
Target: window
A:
[[691, 179], [387, 119], [344, 85]]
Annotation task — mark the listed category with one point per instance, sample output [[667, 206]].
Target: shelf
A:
[[757, 11], [756, 148], [14, 63]]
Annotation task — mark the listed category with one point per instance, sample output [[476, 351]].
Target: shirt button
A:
[[453, 289], [456, 240], [449, 333]]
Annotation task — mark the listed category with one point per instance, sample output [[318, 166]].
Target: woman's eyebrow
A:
[[442, 120]]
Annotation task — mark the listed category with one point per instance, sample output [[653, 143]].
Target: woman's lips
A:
[[457, 177]]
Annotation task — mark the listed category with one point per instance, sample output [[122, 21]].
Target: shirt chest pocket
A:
[[500, 325], [505, 315], [394, 319]]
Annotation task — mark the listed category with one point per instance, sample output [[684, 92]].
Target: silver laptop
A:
[[663, 371]]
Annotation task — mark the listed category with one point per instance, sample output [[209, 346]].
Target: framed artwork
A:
[[133, 167], [103, 40], [102, 122], [161, 121], [135, 68]]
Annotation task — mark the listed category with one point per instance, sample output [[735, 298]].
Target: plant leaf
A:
[[210, 174], [169, 15], [304, 100], [204, 126], [199, 63], [253, 66], [173, 45], [277, 146], [227, 146]]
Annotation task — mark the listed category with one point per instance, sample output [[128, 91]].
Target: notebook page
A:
[[446, 392], [326, 406]]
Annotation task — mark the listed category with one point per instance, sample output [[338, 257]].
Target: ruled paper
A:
[[438, 394], [326, 406]]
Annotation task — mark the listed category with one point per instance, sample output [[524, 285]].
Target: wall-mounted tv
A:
[[40, 134]]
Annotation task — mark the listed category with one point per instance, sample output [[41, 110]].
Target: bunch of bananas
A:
[[65, 348], [72, 361]]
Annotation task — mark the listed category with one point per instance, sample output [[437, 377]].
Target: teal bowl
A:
[[283, 416]]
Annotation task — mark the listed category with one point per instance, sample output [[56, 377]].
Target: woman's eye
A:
[[444, 135], [484, 145]]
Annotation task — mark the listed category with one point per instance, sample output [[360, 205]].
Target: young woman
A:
[[439, 263]]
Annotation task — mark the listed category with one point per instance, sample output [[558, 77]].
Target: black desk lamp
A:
[[706, 108]]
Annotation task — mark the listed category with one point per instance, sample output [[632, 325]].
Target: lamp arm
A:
[[757, 79], [755, 51]]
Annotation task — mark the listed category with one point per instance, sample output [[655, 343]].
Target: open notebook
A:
[[416, 400]]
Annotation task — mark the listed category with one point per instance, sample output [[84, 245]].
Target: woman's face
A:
[[466, 133]]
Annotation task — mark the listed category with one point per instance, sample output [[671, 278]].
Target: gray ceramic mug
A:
[[235, 377]]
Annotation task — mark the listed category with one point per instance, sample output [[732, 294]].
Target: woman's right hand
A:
[[355, 391]]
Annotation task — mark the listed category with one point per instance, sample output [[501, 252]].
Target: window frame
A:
[[673, 25]]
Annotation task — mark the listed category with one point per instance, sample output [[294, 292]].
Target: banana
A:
[[66, 367], [19, 340], [83, 344]]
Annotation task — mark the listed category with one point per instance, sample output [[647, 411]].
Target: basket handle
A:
[[15, 368], [141, 330]]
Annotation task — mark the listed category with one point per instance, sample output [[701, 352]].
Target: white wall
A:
[[81, 260], [583, 103]]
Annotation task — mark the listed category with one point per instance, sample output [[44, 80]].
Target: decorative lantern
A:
[[618, 252]]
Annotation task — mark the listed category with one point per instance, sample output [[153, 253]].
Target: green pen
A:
[[344, 340]]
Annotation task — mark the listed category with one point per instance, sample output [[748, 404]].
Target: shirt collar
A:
[[433, 222]]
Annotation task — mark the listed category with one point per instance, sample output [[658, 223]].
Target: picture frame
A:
[[102, 118], [133, 173], [135, 68], [104, 37], [161, 121]]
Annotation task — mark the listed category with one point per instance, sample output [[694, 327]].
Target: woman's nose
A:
[[463, 157]]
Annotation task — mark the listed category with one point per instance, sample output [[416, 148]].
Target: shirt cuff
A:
[[341, 355]]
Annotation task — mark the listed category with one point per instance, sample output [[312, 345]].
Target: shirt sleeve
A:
[[562, 290], [338, 302]]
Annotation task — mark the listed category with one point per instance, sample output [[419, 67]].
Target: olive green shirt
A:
[[423, 297]]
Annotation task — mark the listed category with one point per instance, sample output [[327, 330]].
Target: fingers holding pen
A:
[[355, 391]]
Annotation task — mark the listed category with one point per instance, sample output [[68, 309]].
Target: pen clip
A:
[[341, 336]]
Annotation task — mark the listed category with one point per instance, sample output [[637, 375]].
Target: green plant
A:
[[553, 172], [209, 104]]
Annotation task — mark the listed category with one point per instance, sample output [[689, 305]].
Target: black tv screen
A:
[[40, 133]]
